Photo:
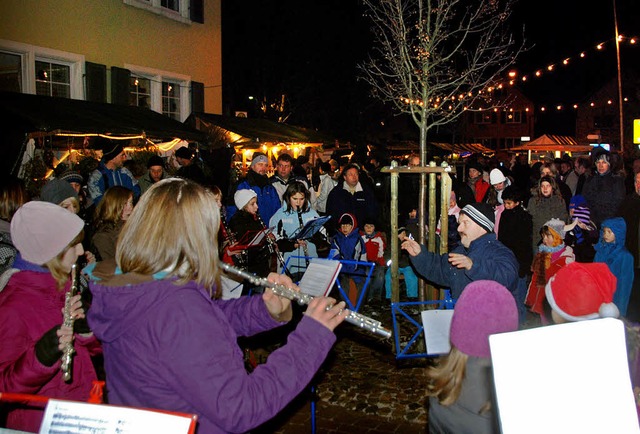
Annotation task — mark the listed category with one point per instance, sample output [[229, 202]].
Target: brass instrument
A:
[[67, 353], [354, 318]]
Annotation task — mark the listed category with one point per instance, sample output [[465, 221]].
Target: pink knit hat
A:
[[484, 308], [42, 230]]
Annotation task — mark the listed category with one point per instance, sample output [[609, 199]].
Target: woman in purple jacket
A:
[[32, 334], [169, 341]]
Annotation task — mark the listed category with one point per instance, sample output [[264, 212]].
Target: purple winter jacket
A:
[[31, 305], [171, 347]]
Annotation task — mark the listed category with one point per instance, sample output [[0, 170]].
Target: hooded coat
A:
[[31, 305], [348, 247], [618, 259], [170, 346]]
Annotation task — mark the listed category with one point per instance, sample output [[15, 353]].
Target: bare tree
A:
[[436, 59]]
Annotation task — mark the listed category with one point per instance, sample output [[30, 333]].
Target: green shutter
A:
[[120, 78], [95, 82], [197, 97]]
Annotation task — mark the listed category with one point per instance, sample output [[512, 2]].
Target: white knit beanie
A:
[[242, 197]]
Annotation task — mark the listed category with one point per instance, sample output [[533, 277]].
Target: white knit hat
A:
[[242, 197], [496, 177]]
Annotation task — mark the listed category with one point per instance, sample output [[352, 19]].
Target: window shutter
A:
[[120, 78], [95, 82], [196, 11], [197, 97]]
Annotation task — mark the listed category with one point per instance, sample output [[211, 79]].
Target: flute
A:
[[354, 318], [67, 353]]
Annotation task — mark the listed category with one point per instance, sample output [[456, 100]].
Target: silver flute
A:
[[354, 318], [67, 353]]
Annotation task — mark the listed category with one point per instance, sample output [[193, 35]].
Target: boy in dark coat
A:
[[348, 245], [515, 233]]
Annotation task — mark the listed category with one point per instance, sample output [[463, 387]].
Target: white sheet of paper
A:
[[566, 378], [437, 325], [80, 418], [319, 277]]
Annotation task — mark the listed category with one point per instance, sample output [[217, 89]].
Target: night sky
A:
[[309, 51]]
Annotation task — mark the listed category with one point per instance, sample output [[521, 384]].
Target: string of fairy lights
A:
[[538, 73]]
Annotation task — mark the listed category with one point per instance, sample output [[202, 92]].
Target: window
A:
[[515, 117], [140, 92], [42, 71], [175, 9], [10, 72], [171, 100], [483, 117], [53, 79], [161, 91]]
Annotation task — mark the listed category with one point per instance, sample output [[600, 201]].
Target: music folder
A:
[[309, 229], [250, 239]]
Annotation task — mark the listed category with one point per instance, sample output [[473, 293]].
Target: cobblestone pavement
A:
[[361, 388]]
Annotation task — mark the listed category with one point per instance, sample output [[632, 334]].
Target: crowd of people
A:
[[154, 302]]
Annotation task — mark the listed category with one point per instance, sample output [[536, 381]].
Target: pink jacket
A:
[[30, 305]]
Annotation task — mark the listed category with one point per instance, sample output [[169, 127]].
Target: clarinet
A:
[[239, 259], [304, 247], [67, 353], [354, 318], [273, 247]]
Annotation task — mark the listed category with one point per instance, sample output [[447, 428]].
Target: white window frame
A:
[[155, 6], [157, 77], [30, 53]]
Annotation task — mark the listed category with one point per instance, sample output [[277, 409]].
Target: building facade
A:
[[160, 54]]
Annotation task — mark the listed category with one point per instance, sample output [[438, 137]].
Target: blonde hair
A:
[[109, 210], [444, 380], [75, 203], [55, 265], [174, 228]]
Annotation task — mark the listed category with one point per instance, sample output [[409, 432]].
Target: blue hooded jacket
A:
[[618, 259]]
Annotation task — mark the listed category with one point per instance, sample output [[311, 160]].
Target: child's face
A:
[[218, 199], [369, 228], [346, 228], [547, 240], [297, 201], [608, 236], [546, 189], [510, 204], [252, 206], [413, 213]]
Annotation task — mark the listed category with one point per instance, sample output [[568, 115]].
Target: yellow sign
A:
[[636, 131]]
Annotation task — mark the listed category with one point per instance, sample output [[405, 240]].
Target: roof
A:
[[550, 142], [33, 114], [253, 131], [459, 148]]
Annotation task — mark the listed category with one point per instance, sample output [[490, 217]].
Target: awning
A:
[[43, 115], [552, 143], [459, 148], [252, 132]]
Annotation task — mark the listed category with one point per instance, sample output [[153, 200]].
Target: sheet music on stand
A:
[[309, 229], [320, 276], [250, 239], [80, 417]]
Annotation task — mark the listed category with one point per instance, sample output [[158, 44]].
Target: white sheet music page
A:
[[566, 378], [320, 276], [437, 325], [80, 418]]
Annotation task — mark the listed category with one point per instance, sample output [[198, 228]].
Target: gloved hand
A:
[[47, 351]]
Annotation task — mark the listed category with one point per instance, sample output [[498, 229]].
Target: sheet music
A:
[[437, 326], [566, 378], [309, 229], [319, 277], [80, 418]]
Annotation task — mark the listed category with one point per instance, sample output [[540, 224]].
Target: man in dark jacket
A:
[[604, 190], [480, 256], [351, 196]]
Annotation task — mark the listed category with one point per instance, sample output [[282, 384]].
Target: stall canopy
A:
[[552, 143], [37, 115], [253, 133]]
